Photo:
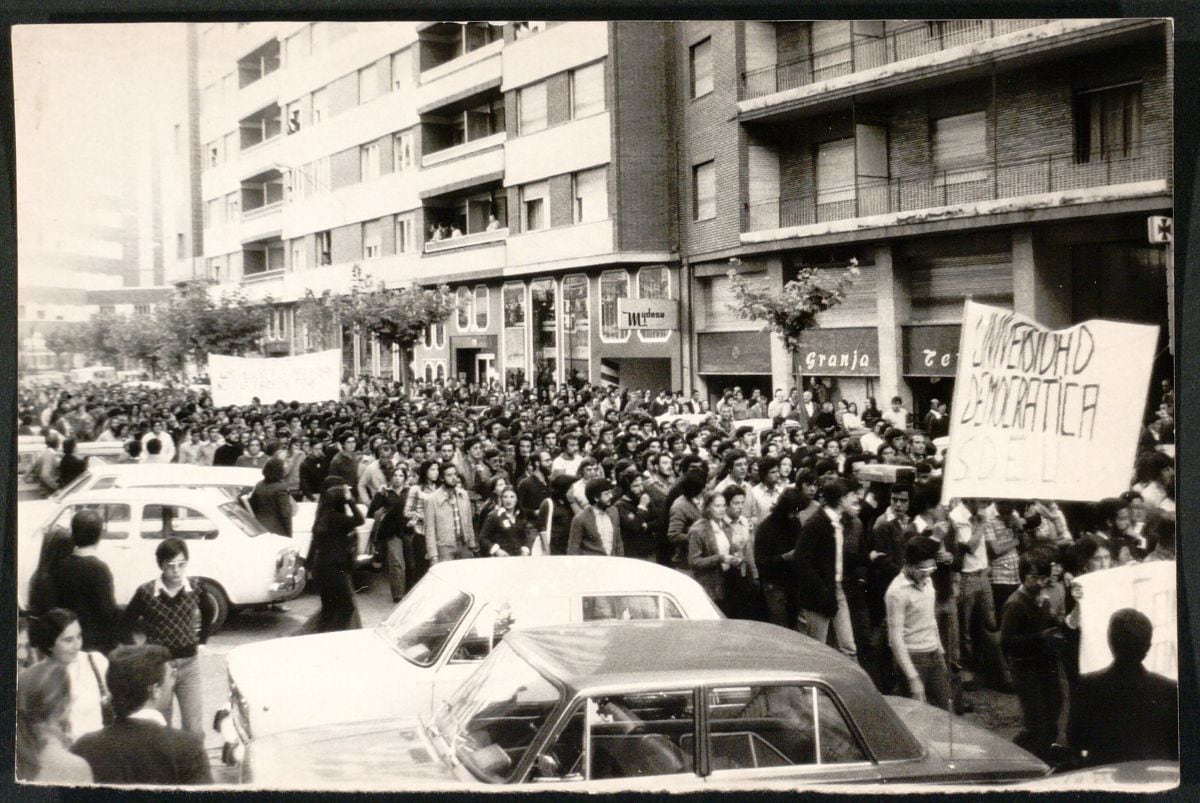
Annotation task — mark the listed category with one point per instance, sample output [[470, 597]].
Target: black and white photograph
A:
[[504, 405]]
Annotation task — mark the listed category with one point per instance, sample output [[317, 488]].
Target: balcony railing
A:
[[1053, 173], [262, 275], [866, 52], [478, 238]]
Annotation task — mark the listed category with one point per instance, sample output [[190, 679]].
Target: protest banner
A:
[[1148, 587], [1044, 414], [303, 378]]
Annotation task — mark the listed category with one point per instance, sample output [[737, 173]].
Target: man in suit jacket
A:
[[140, 747], [1124, 712], [805, 411], [449, 533], [596, 530], [817, 562]]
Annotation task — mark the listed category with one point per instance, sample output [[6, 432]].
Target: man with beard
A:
[[534, 488], [596, 530]]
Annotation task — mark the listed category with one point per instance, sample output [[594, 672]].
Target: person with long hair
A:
[[270, 501], [505, 532], [710, 551], [43, 706], [56, 545], [424, 484], [554, 516], [774, 541], [57, 636], [334, 526]]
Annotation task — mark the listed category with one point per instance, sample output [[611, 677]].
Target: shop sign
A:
[[647, 313], [474, 342], [733, 352], [839, 352], [931, 350]]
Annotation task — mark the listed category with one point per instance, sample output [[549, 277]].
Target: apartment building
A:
[[1011, 161], [527, 165]]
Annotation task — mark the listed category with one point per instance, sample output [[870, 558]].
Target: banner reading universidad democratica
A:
[[303, 378], [1044, 414]]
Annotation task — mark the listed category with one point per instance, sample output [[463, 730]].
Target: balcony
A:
[[448, 46], [259, 64], [1032, 183], [867, 52], [466, 240], [460, 77]]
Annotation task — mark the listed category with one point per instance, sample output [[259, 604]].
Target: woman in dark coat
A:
[[505, 532], [554, 516], [270, 500], [335, 541], [634, 507]]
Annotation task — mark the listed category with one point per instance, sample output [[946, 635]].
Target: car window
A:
[[629, 606], [421, 624], [75, 485], [166, 521], [244, 519], [760, 727], [115, 516], [640, 735]]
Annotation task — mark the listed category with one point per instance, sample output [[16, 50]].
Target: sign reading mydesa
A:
[[647, 313], [1047, 414]]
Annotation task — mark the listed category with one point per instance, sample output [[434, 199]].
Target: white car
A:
[[234, 559], [438, 635], [236, 481]]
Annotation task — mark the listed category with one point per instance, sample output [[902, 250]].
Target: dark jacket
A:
[[704, 559], [70, 467], [584, 537], [312, 475], [508, 531], [133, 751], [815, 565], [771, 543], [531, 492], [1125, 713], [272, 506], [560, 516], [84, 584], [636, 537]]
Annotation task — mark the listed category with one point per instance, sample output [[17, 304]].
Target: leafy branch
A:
[[793, 311]]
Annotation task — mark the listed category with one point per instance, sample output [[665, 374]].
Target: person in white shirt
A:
[[979, 634], [568, 462], [779, 407], [897, 416], [157, 430]]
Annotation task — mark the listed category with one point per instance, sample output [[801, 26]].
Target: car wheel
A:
[[220, 603]]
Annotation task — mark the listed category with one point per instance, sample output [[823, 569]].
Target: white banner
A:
[[1044, 414], [1148, 587], [312, 377]]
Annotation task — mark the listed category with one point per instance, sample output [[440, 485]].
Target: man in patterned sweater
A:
[[175, 614]]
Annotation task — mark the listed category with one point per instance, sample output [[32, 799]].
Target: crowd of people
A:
[[825, 519]]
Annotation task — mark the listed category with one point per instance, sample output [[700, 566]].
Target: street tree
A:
[[142, 339], [793, 311], [196, 325], [66, 340]]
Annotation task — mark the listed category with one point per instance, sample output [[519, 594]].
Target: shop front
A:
[[474, 358], [726, 360], [930, 364], [840, 363]]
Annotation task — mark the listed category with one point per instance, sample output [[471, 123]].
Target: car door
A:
[[117, 547], [201, 533], [782, 732]]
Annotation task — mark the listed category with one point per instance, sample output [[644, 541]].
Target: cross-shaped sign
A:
[[1158, 229]]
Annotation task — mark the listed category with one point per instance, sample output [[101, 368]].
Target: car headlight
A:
[[285, 563]]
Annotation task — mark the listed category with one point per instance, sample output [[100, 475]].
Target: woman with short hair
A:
[[57, 636]]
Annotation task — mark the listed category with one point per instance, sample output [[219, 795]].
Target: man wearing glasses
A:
[[912, 626], [175, 615]]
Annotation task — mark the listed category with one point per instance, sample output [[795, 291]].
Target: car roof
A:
[[553, 575], [183, 473], [206, 493], [684, 653]]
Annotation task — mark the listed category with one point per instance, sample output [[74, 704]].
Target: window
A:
[[513, 298], [614, 284], [959, 144], [402, 151], [704, 191], [114, 516], [402, 70], [214, 269], [760, 727], [590, 195], [141, 309], [180, 245], [368, 158], [534, 203], [214, 153], [577, 348], [481, 306], [439, 335], [372, 240], [587, 90], [368, 83], [175, 521], [531, 108], [299, 255], [325, 248], [292, 116], [406, 237], [544, 324], [637, 735], [629, 606], [320, 106], [835, 172], [654, 283], [462, 298], [232, 207], [1108, 123], [702, 68]]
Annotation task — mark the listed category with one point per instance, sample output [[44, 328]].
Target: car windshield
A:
[[422, 623], [243, 519], [71, 487], [495, 716]]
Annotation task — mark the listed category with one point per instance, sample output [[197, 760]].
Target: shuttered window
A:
[[702, 68], [939, 285], [959, 144], [835, 171], [715, 308], [531, 102], [858, 308], [591, 195], [763, 189], [372, 240], [587, 90], [704, 191]]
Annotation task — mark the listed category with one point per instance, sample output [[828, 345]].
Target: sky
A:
[[87, 100]]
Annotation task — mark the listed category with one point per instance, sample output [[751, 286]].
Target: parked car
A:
[[233, 558], [236, 481], [670, 705], [437, 636], [29, 447]]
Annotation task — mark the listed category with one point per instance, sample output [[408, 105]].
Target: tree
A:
[[141, 338], [792, 312], [66, 340], [397, 316], [196, 325], [318, 318]]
